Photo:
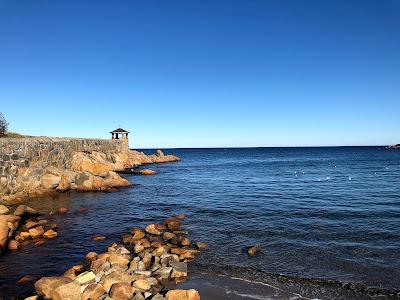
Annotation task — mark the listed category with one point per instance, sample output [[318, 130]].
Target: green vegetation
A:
[[3, 125]]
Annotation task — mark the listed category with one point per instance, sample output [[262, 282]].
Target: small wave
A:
[[306, 288]]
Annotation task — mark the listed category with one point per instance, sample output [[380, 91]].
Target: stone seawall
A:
[[38, 165], [38, 153]]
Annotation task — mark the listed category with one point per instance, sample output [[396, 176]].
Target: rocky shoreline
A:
[[25, 225], [87, 171], [148, 264]]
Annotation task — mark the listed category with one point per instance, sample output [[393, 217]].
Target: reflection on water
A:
[[297, 203]]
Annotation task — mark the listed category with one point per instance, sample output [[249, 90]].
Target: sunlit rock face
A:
[[35, 166]]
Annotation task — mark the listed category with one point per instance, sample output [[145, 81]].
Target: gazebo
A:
[[119, 134]]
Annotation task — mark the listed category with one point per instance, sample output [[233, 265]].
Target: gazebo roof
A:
[[119, 130]]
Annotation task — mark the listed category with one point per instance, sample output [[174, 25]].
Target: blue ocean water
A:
[[326, 215]]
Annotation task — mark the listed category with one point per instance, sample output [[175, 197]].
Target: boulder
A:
[[138, 296], [185, 242], [4, 210], [114, 180], [152, 229], [3, 231], [99, 238], [45, 285], [50, 234], [69, 291], [30, 224], [168, 236], [254, 250], [66, 180], [91, 256], [173, 224], [36, 232], [142, 284], [159, 153], [122, 291], [50, 181], [25, 279], [114, 277], [182, 295], [147, 172], [13, 245], [24, 209], [179, 269], [164, 272], [85, 278], [93, 162], [120, 260], [137, 234], [93, 291], [24, 235]]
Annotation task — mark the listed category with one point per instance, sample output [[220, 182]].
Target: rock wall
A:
[[33, 166], [24, 162]]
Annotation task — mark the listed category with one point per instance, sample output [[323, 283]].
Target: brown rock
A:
[[253, 251], [85, 278], [50, 234], [13, 245], [24, 235], [3, 231], [160, 251], [147, 172], [99, 238], [50, 181], [168, 236], [91, 256], [69, 291], [173, 224], [99, 261], [4, 209], [179, 269], [70, 274], [121, 291], [36, 232], [93, 291], [121, 260], [67, 178], [160, 227], [24, 209], [137, 234], [152, 229], [185, 242], [31, 224], [183, 295], [25, 279], [117, 276], [142, 284], [62, 211], [45, 285], [126, 239]]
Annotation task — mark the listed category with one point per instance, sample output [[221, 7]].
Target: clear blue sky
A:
[[204, 73]]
